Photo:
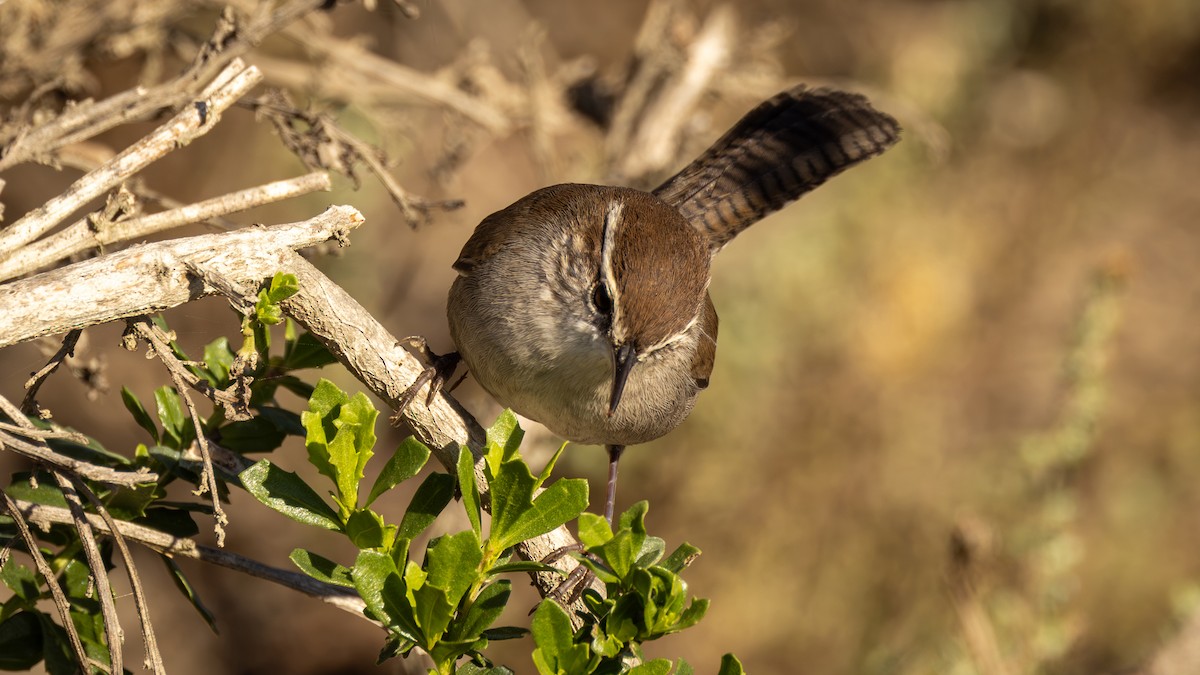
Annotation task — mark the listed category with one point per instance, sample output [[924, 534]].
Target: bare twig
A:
[[34, 383], [91, 552], [321, 143], [60, 598], [158, 344], [42, 434], [40, 452], [151, 277], [655, 141], [82, 235], [184, 127], [85, 120], [343, 598], [153, 657], [665, 87]]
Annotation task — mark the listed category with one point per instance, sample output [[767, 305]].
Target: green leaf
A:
[[505, 633], [128, 503], [560, 503], [21, 580], [516, 515], [428, 501], [366, 529], [76, 577], [556, 652], [730, 666], [621, 551], [283, 286], [506, 434], [20, 641], [432, 609], [593, 530], [381, 587], [469, 490], [453, 564], [185, 587], [306, 352], [257, 434], [319, 425], [681, 557], [321, 569], [135, 408], [484, 611], [285, 492], [46, 492], [404, 464], [173, 521], [56, 648], [172, 417], [469, 668], [655, 667], [549, 468], [393, 647], [683, 668], [340, 435], [218, 359], [692, 615], [651, 551], [370, 573], [284, 420]]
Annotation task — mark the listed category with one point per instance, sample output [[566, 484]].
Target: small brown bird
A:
[[586, 307]]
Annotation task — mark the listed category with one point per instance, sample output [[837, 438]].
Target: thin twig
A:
[[88, 119], [34, 383], [41, 452], [154, 659], [342, 598], [43, 434], [91, 552], [82, 235], [320, 142], [208, 478], [60, 598], [181, 129], [152, 277]]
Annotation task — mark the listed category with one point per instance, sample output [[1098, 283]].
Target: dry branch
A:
[[60, 599], [227, 88], [37, 450], [342, 598], [95, 563], [152, 277], [84, 235]]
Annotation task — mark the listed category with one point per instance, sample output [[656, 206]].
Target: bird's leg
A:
[[581, 578], [610, 503], [439, 369]]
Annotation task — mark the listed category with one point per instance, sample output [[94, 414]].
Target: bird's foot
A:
[[438, 370], [570, 589]]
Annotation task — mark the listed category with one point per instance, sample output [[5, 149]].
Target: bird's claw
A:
[[439, 368]]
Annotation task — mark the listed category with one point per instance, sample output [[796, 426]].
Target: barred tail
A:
[[785, 147]]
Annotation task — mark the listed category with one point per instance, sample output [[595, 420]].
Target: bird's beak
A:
[[624, 356]]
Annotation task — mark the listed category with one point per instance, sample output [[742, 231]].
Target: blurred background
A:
[[954, 425]]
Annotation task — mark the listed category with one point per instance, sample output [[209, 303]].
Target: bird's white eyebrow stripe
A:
[[608, 245]]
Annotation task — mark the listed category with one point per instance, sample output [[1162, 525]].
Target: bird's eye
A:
[[601, 300]]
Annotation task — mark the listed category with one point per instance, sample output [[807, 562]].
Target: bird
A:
[[586, 307]]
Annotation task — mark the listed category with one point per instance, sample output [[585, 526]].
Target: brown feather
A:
[[785, 147]]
